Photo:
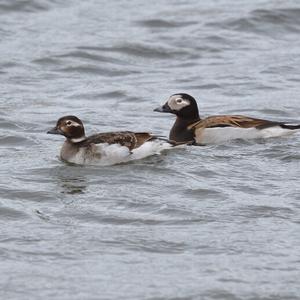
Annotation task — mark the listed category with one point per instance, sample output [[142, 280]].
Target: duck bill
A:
[[164, 109], [54, 130]]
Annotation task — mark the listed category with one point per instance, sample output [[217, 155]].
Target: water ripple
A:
[[264, 22], [194, 223]]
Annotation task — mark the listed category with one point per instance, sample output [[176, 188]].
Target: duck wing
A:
[[129, 139], [233, 121]]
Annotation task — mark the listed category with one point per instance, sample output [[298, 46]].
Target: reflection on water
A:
[[72, 185], [70, 179]]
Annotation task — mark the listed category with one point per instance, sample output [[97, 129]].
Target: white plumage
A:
[[111, 154], [222, 134]]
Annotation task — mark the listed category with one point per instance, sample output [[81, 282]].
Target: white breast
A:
[[77, 158], [223, 134]]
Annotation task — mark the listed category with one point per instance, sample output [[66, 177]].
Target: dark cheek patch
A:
[[67, 131], [72, 131]]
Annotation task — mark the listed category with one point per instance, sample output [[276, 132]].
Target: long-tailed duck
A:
[[104, 148], [190, 128]]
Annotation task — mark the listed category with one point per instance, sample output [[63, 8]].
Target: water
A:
[[214, 222]]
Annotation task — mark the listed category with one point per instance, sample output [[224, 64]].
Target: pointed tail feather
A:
[[289, 126]]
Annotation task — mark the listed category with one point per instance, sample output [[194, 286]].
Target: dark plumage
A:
[[129, 139]]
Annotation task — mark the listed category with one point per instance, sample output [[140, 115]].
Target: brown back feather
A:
[[128, 139], [142, 137], [233, 121]]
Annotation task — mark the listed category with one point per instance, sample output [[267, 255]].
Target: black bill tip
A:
[[54, 130], [165, 108], [159, 109]]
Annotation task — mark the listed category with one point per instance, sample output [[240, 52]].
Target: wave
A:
[[26, 6], [264, 21]]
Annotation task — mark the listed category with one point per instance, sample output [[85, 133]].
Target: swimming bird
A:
[[104, 148], [190, 128]]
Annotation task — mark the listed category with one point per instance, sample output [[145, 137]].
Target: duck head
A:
[[71, 127], [182, 105]]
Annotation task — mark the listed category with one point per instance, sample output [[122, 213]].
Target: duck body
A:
[[190, 128], [104, 148]]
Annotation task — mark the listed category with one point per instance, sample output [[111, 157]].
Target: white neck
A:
[[77, 140]]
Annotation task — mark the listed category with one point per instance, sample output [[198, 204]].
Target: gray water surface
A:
[[214, 222]]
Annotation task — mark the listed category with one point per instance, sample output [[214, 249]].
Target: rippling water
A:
[[214, 222]]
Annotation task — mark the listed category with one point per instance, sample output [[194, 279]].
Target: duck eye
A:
[[178, 100], [69, 123]]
